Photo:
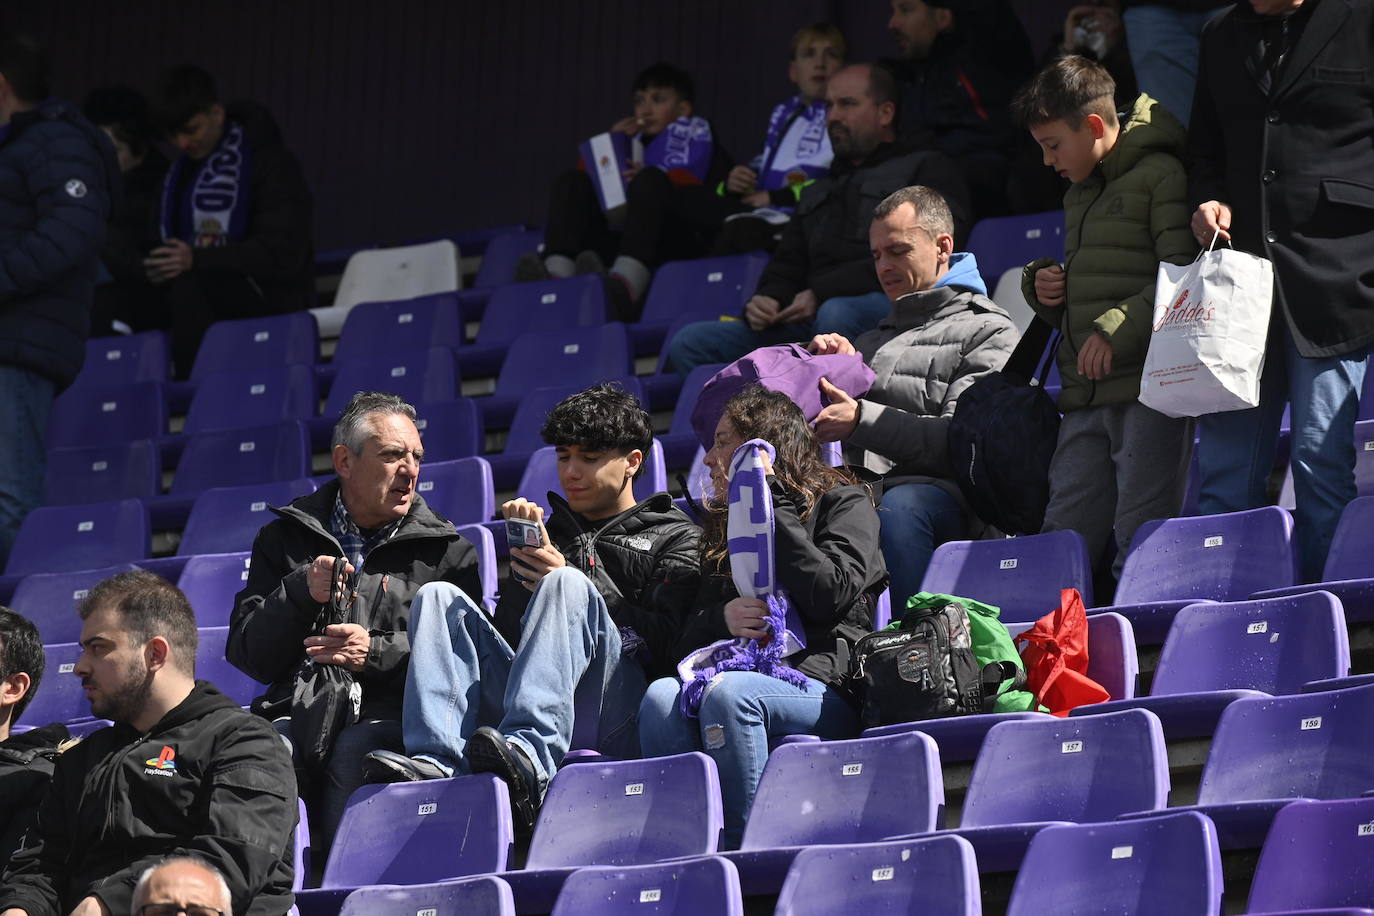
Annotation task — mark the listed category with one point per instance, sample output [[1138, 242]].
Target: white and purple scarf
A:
[[797, 149], [213, 211], [750, 538], [683, 148]]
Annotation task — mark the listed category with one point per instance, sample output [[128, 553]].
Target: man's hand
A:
[[760, 312], [741, 180], [747, 617], [89, 906], [836, 422], [826, 344], [756, 200], [626, 125], [1211, 217], [15, 911], [803, 308], [1095, 357], [170, 259], [630, 171], [523, 508], [536, 562], [318, 576], [343, 644], [1050, 286], [1107, 23]]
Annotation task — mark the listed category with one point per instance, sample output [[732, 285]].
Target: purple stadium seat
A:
[[1157, 866], [459, 490], [694, 887], [573, 357], [549, 305], [85, 727], [541, 476], [300, 847], [210, 583], [1268, 751], [60, 697], [1181, 561], [1022, 576], [704, 289], [106, 414], [484, 896], [1338, 683], [238, 398], [1000, 243], [497, 269], [1318, 855], [212, 666], [227, 519], [1033, 773], [374, 330], [267, 342], [94, 473], [237, 457], [1349, 571], [412, 833], [837, 792], [487, 570], [123, 360], [1364, 463], [934, 876], [619, 812], [959, 738], [66, 538], [680, 442], [1218, 653], [450, 429], [50, 600], [419, 376]]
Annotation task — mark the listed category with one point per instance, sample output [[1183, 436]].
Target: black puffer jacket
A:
[[643, 562], [833, 571], [56, 176], [275, 612], [26, 764], [208, 779]]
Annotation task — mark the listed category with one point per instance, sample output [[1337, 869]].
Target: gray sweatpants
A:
[[1116, 467]]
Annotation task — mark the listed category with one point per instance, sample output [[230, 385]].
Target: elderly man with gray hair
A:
[[367, 540], [182, 884]]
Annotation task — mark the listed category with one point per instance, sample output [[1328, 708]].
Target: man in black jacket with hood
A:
[[182, 771], [596, 611], [27, 758]]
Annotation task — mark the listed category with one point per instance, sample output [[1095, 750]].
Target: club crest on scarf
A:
[[213, 211]]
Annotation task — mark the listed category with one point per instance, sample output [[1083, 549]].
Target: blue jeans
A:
[[914, 519], [1237, 448], [567, 671], [850, 316], [739, 713], [1164, 45], [24, 409]]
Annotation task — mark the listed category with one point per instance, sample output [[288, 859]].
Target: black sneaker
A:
[[389, 766], [530, 267], [618, 298], [489, 752]]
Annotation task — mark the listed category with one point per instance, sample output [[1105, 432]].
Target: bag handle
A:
[[1031, 357]]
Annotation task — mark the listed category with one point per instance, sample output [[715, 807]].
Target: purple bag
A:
[[788, 368]]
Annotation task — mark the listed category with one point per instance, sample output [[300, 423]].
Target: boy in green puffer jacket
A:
[[1117, 463]]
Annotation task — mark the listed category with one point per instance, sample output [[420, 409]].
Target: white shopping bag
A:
[[1211, 322]]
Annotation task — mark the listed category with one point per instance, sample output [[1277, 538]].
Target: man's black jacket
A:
[[26, 765]]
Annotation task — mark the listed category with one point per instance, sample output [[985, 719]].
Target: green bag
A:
[[991, 643]]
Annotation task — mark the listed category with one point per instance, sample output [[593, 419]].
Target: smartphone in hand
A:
[[522, 532]]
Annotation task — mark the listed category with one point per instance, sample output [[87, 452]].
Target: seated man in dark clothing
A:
[[235, 215], [26, 759]]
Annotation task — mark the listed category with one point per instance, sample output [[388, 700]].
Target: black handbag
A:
[[325, 699]]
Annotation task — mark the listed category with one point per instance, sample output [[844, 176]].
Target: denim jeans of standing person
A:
[[25, 403], [567, 673], [914, 519], [1236, 450], [739, 713], [1164, 45]]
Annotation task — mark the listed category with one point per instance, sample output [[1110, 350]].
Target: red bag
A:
[[1056, 658]]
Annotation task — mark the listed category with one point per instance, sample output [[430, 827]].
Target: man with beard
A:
[[820, 278], [182, 771]]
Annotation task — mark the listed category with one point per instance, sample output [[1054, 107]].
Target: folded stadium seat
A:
[[106, 414], [86, 536], [524, 439], [1218, 653], [705, 289], [487, 569], [549, 305], [420, 376], [1181, 561], [1268, 751], [1165, 865], [820, 792], [497, 269], [680, 442], [237, 398], [231, 458], [389, 274], [212, 666], [484, 896], [1318, 856], [573, 357], [394, 326], [934, 876], [124, 360], [94, 473], [1022, 576], [1007, 293], [1364, 464], [60, 697], [1349, 570], [690, 888], [1034, 773], [1003, 242], [412, 833], [450, 429], [459, 490], [618, 812], [210, 583], [227, 519], [267, 342], [50, 600]]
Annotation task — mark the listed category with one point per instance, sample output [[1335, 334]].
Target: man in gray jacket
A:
[[942, 334]]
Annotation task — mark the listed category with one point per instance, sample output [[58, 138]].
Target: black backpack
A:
[[926, 669], [1002, 437]]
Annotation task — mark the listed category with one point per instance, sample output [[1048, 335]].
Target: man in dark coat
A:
[[1283, 167], [56, 171], [26, 758]]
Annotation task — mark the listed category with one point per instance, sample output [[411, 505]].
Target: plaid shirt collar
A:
[[355, 543]]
